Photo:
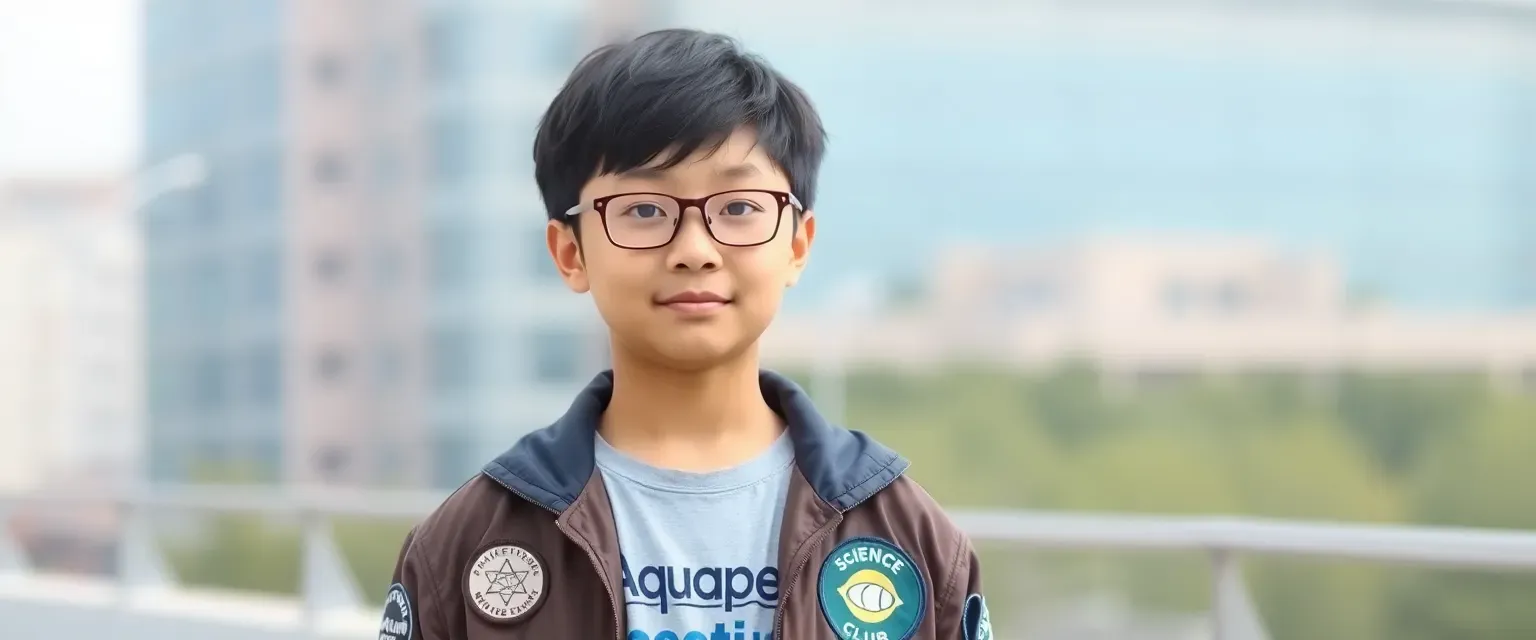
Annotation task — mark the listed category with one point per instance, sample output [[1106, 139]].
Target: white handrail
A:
[[1416, 545], [328, 590]]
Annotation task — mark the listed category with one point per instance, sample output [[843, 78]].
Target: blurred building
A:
[[1139, 279], [360, 293], [70, 393], [1398, 136], [1148, 307]]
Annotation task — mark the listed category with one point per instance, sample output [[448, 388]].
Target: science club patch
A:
[[871, 590]]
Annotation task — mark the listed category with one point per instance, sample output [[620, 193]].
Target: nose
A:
[[693, 249]]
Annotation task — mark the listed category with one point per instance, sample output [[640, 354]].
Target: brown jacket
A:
[[528, 549]]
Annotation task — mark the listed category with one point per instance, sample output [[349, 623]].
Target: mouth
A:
[[694, 302]]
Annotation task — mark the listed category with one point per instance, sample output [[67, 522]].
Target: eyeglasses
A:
[[743, 218]]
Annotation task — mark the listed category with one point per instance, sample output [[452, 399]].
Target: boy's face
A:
[[694, 301]]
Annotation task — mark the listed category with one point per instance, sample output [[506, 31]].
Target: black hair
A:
[[673, 91]]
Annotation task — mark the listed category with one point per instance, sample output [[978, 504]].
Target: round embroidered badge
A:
[[871, 590], [397, 623], [505, 582]]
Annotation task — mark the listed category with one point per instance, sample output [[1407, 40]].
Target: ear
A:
[[800, 246], [566, 252]]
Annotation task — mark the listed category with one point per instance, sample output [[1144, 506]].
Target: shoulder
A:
[[912, 505], [914, 521], [469, 507], [905, 516], [476, 511]]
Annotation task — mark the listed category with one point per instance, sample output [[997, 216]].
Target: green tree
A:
[[1313, 471], [238, 551], [1485, 478], [1398, 417]]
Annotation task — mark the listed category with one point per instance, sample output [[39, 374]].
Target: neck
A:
[[689, 420]]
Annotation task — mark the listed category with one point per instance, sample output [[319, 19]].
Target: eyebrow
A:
[[735, 171]]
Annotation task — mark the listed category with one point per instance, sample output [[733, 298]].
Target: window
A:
[[258, 94], [263, 176], [162, 296], [331, 364], [208, 382], [452, 149], [1231, 297], [387, 169], [263, 279], [332, 462], [449, 46], [1030, 296], [388, 367], [165, 390], [208, 288], [208, 200], [330, 266], [385, 66], [455, 257], [330, 168], [454, 365], [1178, 297], [388, 267], [264, 375], [560, 355], [328, 70]]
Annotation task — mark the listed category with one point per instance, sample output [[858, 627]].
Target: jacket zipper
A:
[[805, 556], [591, 554], [800, 560]]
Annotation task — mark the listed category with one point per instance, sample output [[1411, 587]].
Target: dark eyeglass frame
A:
[[600, 206]]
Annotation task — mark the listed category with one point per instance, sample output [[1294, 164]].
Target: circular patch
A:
[[505, 582], [869, 588], [977, 622], [397, 623]]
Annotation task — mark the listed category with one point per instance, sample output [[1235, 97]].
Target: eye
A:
[[741, 208], [645, 211]]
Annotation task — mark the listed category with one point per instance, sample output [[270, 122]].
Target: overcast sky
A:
[[68, 86]]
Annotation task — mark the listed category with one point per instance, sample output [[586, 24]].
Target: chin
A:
[[699, 355]]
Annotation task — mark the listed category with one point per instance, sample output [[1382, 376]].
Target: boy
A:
[[685, 495]]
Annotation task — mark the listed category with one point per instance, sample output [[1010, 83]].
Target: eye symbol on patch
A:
[[870, 596]]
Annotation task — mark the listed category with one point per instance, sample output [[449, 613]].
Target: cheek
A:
[[761, 282], [619, 284]]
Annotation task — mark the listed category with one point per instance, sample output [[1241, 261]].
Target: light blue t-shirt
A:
[[700, 550]]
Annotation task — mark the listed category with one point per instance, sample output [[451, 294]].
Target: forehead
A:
[[737, 161]]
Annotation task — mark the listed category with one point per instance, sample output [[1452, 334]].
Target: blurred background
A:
[[1176, 258]]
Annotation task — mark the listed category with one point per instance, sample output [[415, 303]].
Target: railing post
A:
[[140, 565], [1233, 616], [13, 560], [329, 586]]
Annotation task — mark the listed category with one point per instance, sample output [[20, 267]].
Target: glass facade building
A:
[[214, 257], [360, 292]]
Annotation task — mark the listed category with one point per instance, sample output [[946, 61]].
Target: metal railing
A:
[[329, 593]]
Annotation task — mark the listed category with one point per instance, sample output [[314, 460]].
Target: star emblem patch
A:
[[505, 582]]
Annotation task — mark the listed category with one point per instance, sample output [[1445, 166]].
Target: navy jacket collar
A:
[[551, 466]]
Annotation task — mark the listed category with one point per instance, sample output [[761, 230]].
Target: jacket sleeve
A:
[[960, 608], [411, 601]]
